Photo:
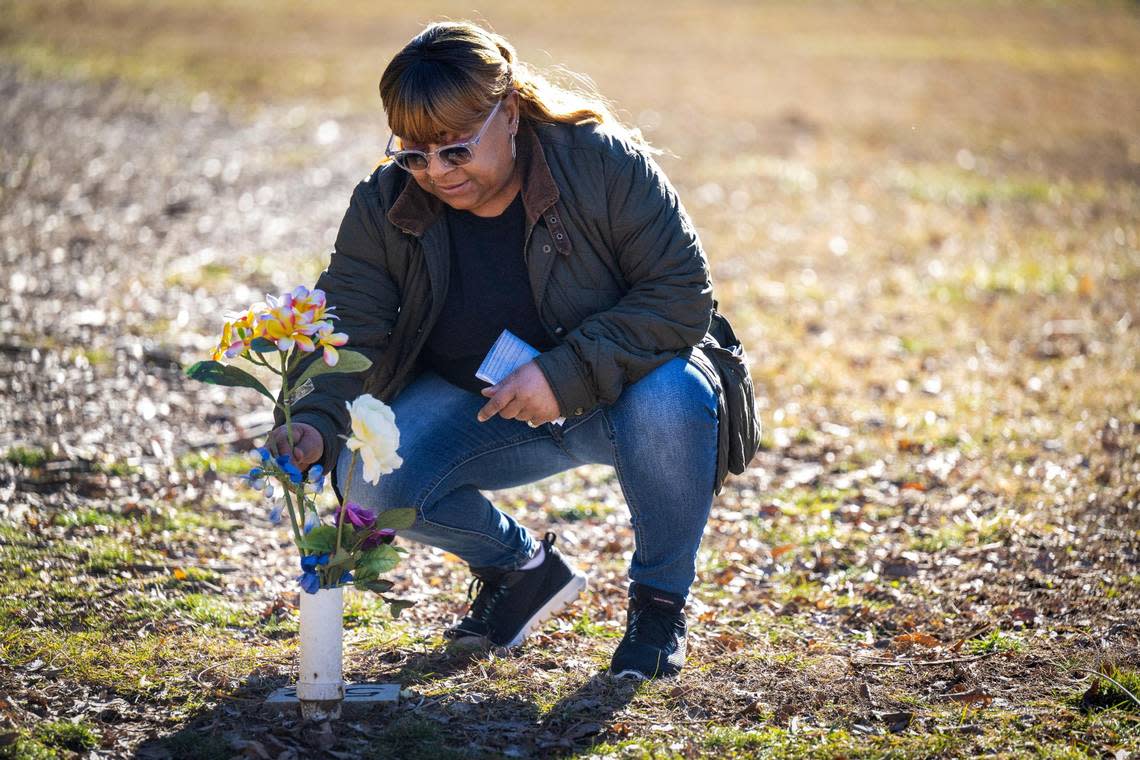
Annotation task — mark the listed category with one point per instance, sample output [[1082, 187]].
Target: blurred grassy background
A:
[[877, 183], [922, 221], [927, 76]]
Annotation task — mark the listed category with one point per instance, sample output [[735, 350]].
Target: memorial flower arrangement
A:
[[353, 545]]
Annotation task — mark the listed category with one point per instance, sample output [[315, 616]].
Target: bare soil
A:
[[922, 222]]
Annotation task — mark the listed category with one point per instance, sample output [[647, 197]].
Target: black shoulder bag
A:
[[721, 358]]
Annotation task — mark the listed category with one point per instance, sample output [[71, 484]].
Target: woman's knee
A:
[[421, 411], [676, 393], [400, 488]]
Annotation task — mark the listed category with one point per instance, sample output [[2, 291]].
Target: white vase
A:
[[320, 681]]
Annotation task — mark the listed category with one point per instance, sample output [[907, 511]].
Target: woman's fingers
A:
[[524, 395], [273, 442], [515, 409], [308, 446]]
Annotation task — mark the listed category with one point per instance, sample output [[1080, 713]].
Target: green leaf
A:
[[396, 519], [347, 362], [340, 562], [217, 373], [374, 585], [362, 576], [320, 539], [378, 561], [262, 345], [397, 605]]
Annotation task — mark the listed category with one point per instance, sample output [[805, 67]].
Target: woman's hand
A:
[[308, 444], [522, 395]]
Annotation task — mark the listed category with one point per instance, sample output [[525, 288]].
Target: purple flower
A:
[[377, 537], [358, 515], [309, 581]]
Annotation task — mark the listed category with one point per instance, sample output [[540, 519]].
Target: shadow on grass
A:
[[509, 726], [228, 729], [460, 724]]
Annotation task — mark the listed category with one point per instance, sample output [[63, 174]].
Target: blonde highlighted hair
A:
[[453, 72]]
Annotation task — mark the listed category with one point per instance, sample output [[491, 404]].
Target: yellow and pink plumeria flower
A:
[[238, 334], [300, 318]]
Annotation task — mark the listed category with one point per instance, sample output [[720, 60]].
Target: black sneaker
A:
[[512, 603], [654, 641]]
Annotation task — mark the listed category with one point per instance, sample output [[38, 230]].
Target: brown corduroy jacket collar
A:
[[415, 209]]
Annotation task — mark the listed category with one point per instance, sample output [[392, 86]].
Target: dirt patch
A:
[[936, 544]]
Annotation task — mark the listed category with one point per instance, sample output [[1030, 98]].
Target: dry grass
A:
[[922, 221]]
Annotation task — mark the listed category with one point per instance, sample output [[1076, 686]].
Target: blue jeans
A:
[[660, 436]]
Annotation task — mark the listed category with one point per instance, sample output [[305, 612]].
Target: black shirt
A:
[[488, 292]]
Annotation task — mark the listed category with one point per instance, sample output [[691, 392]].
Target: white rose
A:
[[375, 436]]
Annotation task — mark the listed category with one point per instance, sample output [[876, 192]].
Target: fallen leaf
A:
[[1025, 615], [726, 575], [781, 550], [729, 642], [907, 640], [897, 722], [972, 697]]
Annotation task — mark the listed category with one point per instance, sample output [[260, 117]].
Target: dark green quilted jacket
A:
[[619, 276]]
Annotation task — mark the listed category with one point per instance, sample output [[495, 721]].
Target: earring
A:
[[512, 145]]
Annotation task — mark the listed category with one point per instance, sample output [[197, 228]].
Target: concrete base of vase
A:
[[358, 697]]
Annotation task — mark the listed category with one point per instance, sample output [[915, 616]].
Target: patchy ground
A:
[[922, 223]]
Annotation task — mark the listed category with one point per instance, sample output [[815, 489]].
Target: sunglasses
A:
[[456, 154]]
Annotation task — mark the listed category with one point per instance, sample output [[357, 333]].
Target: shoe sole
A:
[[471, 641], [639, 676], [663, 670], [565, 595]]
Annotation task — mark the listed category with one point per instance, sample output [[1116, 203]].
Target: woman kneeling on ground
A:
[[513, 204]]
